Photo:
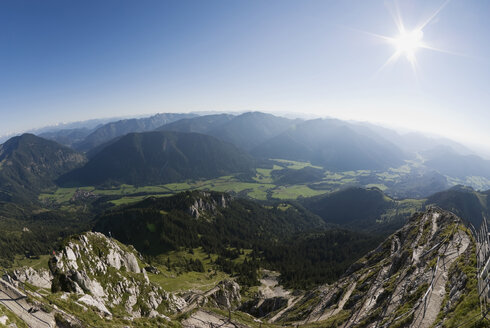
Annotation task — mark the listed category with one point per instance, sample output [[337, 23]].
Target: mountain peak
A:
[[160, 157]]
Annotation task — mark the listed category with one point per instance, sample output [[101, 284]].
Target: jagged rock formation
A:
[[110, 277], [418, 277], [93, 275], [40, 278], [208, 319], [225, 295], [207, 204], [271, 297], [25, 306]]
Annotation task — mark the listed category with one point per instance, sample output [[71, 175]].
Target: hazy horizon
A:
[[484, 152], [67, 62]]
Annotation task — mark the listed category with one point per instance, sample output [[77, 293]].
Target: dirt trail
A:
[[16, 301], [206, 319], [427, 312]]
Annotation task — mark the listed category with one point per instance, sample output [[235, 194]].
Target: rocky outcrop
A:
[[208, 319], [260, 308], [416, 278], [207, 203], [108, 275], [225, 295], [40, 278], [271, 297]]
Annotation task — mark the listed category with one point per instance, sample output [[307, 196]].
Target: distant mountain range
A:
[[113, 130], [246, 131], [333, 145], [445, 160]]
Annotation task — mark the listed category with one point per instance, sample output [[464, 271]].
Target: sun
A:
[[407, 43]]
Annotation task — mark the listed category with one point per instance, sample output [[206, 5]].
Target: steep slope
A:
[[29, 164], [424, 275], [421, 276], [285, 236], [332, 144], [95, 281], [465, 202], [110, 277], [208, 219], [158, 158], [116, 129]]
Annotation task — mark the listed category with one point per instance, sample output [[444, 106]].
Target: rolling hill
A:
[[160, 157]]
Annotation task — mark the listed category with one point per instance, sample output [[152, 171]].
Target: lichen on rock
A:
[[110, 277]]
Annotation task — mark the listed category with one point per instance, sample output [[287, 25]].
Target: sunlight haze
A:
[[67, 61]]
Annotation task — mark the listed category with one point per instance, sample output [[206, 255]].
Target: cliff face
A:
[[97, 279], [110, 277], [207, 204], [423, 275]]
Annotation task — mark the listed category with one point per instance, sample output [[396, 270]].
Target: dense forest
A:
[[288, 238]]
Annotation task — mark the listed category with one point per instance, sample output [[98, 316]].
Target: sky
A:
[[63, 61]]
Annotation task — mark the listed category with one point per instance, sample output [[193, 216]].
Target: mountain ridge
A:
[[29, 164], [160, 157]]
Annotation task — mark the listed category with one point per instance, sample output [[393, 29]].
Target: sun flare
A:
[[407, 43]]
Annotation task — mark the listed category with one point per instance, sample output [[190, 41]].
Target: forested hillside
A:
[[152, 158]]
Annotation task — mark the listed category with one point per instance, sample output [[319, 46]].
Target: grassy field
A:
[[295, 191], [13, 320], [35, 263], [261, 187], [294, 165], [172, 278]]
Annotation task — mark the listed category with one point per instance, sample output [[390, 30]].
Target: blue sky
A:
[[65, 61]]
